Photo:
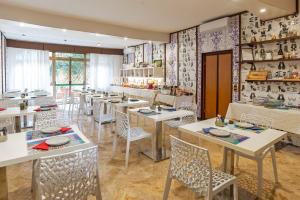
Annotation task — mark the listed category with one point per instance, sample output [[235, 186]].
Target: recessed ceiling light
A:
[[98, 44], [262, 10], [64, 30], [22, 24], [150, 42], [125, 38]]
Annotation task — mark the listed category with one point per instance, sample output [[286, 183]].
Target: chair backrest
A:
[[188, 106], [191, 165], [122, 124], [257, 120], [42, 101], [99, 109], [45, 119], [67, 176]]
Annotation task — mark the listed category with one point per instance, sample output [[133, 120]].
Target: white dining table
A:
[[159, 151], [17, 113], [124, 105], [253, 146], [15, 150]]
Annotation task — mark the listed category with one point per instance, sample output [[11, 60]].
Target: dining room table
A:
[[246, 141], [158, 151], [123, 105], [21, 147]]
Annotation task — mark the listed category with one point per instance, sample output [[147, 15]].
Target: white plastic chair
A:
[[266, 123], [191, 165], [175, 123], [67, 176], [45, 119], [102, 115], [124, 130]]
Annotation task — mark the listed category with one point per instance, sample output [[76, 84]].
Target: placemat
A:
[[149, 114], [32, 135], [233, 138], [75, 140], [255, 129]]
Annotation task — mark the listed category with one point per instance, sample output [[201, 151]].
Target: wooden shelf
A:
[[275, 80], [263, 61], [270, 41]]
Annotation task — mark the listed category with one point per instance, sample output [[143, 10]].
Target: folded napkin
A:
[[65, 129], [42, 146], [38, 110], [1, 109], [206, 130]]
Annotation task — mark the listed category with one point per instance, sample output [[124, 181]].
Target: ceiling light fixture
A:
[[22, 24], [64, 30], [262, 10], [98, 44], [125, 38], [150, 42]]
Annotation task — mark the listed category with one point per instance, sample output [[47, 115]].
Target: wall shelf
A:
[[264, 61], [275, 80], [270, 41]]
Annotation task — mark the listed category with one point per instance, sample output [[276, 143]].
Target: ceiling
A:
[[28, 32], [153, 15]]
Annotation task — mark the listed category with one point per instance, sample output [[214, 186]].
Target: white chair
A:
[[84, 106], [44, 119], [266, 123], [102, 113], [175, 123], [8, 123], [67, 176], [124, 130], [42, 101], [191, 165]]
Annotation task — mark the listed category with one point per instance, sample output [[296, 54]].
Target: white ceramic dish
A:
[[219, 133], [50, 130], [57, 141], [244, 124]]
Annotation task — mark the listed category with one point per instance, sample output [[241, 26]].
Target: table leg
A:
[[158, 151], [18, 124], [3, 184]]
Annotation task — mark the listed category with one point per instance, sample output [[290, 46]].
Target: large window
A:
[[68, 72]]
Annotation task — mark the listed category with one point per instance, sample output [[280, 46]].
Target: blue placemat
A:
[[233, 138], [32, 135]]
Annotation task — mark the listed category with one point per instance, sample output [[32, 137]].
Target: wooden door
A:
[[210, 86], [224, 82], [217, 83]]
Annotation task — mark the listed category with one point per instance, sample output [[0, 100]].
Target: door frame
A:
[[203, 87]]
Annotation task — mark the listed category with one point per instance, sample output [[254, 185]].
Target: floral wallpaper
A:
[[159, 52], [251, 26], [187, 61], [172, 61], [226, 38], [139, 54], [148, 53]]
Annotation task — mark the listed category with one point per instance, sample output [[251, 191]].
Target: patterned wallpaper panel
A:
[[187, 59], [172, 61], [148, 53], [226, 38], [159, 52], [252, 27], [139, 54]]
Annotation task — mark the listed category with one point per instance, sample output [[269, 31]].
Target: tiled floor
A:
[[144, 179]]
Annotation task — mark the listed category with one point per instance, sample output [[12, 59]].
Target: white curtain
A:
[[104, 70], [27, 68]]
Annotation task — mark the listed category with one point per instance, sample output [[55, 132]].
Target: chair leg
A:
[[127, 154], [33, 176], [237, 161], [167, 186], [98, 190], [259, 177], [99, 132], [274, 164], [114, 144], [235, 191]]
